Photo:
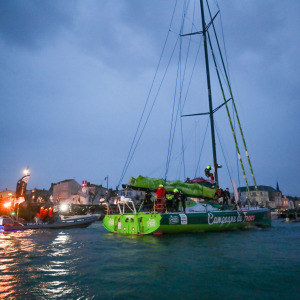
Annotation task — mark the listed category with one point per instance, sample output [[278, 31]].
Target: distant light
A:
[[7, 204], [63, 207], [26, 171]]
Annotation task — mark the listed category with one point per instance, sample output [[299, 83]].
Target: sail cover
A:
[[190, 189]]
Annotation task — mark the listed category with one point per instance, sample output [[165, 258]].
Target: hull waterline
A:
[[172, 223]]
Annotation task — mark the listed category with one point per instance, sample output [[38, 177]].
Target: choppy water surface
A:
[[90, 263]]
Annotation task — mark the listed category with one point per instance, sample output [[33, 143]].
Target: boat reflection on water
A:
[[10, 248], [45, 257]]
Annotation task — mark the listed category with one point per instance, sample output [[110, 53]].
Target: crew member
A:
[[161, 194], [147, 200], [51, 214], [218, 194], [208, 174], [46, 214], [42, 213], [226, 196], [179, 197], [170, 203]]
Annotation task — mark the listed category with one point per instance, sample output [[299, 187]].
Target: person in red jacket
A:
[[51, 214], [161, 194], [42, 213]]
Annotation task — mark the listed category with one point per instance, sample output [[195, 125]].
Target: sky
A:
[[75, 76]]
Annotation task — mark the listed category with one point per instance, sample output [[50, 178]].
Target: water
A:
[[90, 263]]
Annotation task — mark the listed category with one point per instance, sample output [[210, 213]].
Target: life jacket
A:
[[161, 193], [219, 192], [51, 213], [42, 213]]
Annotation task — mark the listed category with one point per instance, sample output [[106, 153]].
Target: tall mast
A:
[[209, 94]]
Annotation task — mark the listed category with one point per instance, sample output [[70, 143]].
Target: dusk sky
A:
[[75, 76]]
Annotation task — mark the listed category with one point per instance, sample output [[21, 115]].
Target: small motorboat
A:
[[80, 222], [5, 220]]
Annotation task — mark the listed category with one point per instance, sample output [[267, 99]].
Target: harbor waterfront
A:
[[89, 263]]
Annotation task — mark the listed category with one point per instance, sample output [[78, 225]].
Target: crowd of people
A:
[[46, 214], [170, 201], [164, 201]]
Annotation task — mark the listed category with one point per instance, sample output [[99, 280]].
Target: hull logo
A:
[[151, 223], [239, 218], [183, 218], [173, 220]]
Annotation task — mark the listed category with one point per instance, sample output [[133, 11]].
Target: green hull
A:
[[142, 223]]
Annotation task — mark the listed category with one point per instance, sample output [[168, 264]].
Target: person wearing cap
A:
[[170, 206], [208, 174], [51, 214], [161, 194], [43, 213], [179, 197]]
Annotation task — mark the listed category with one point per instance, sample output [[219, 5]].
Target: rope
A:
[[132, 150], [223, 152], [174, 123], [198, 163], [241, 131]]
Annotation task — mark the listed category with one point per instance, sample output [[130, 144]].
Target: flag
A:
[[21, 186]]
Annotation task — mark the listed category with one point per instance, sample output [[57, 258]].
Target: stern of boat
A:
[[139, 223]]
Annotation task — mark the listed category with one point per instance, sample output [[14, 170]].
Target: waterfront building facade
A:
[[66, 190], [264, 195], [7, 195], [72, 192]]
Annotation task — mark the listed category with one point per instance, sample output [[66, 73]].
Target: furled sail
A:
[[190, 189]]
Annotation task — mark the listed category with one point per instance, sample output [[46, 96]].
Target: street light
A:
[[7, 205]]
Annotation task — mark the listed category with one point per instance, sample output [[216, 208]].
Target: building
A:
[[7, 195], [72, 192], [289, 202], [66, 190], [264, 195], [38, 195]]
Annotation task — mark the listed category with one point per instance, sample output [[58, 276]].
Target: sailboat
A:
[[202, 212]]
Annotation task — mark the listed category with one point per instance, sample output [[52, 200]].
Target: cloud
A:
[[31, 24], [76, 75]]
